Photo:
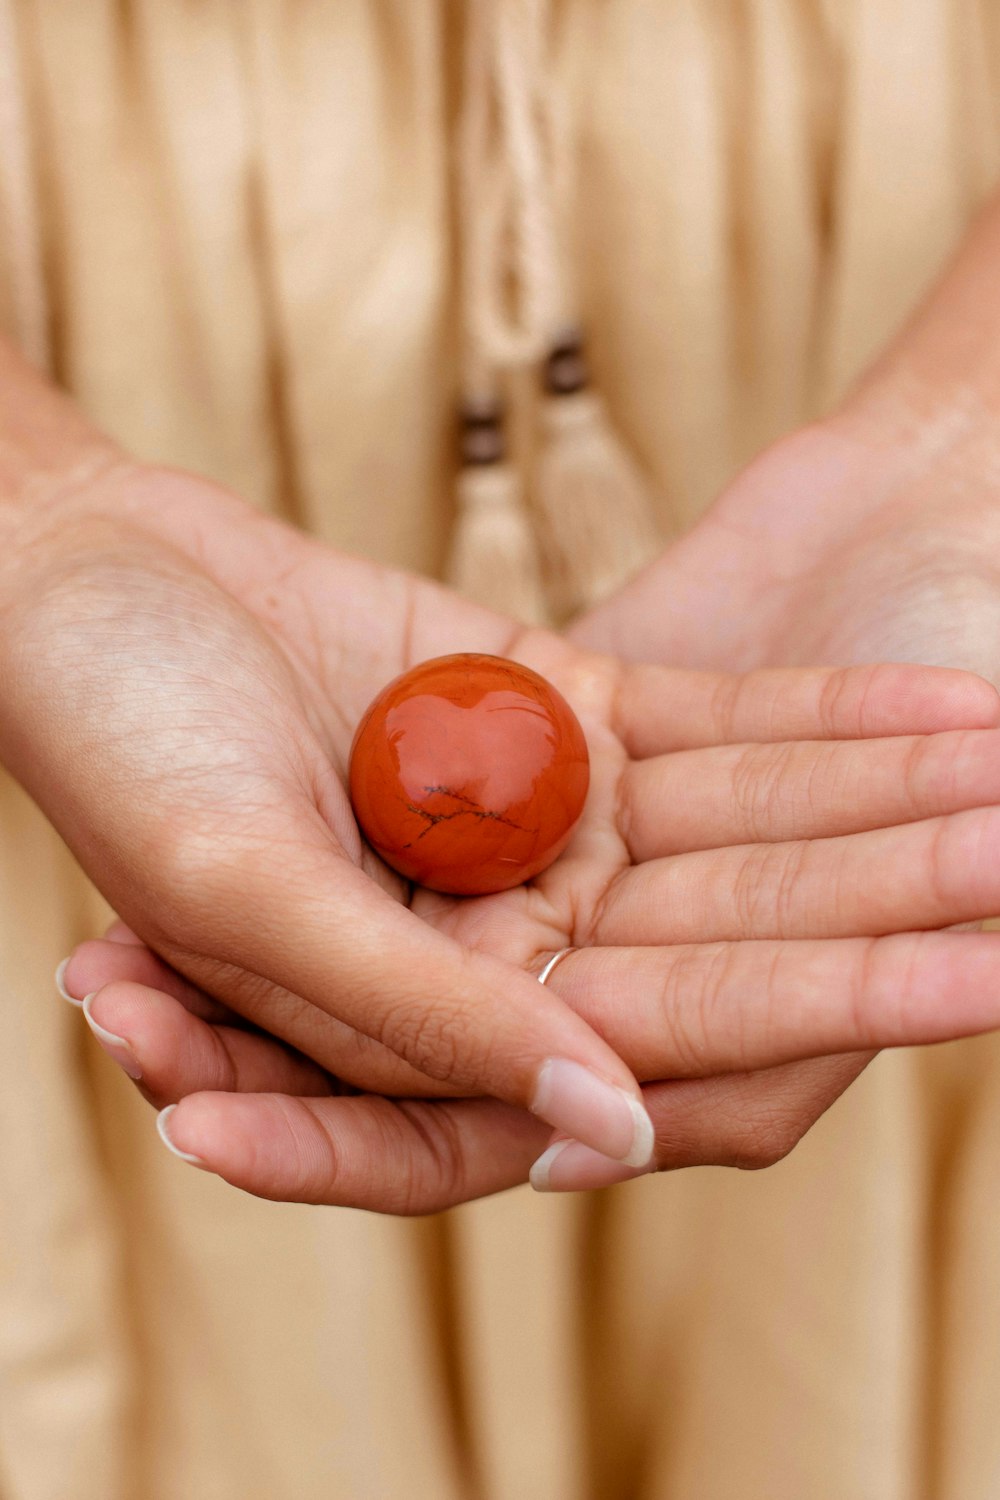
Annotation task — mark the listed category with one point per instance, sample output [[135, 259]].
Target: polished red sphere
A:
[[468, 774]]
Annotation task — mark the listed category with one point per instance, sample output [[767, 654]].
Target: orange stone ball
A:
[[468, 774]]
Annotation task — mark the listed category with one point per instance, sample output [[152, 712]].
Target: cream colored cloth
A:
[[248, 252]]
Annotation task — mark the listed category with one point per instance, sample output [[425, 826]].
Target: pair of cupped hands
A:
[[756, 896]]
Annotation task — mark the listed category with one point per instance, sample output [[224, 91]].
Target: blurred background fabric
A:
[[243, 222]]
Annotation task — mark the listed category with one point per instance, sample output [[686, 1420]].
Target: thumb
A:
[[329, 936]]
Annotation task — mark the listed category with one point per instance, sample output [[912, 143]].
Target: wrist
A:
[[939, 379], [48, 447], [52, 462]]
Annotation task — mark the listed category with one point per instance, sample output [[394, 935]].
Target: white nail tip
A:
[[539, 1174], [582, 1105], [60, 971], [100, 1031], [641, 1154], [161, 1126], [119, 1049]]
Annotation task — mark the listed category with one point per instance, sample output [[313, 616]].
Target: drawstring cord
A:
[[506, 250], [515, 184], [510, 273]]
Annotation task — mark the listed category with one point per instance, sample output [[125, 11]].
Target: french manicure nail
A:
[[589, 1109], [568, 1167], [60, 986], [117, 1048], [164, 1134]]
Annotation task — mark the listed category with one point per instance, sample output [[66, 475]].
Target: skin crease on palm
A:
[[886, 560]]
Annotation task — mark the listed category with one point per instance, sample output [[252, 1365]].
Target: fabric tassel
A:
[[494, 556], [594, 507]]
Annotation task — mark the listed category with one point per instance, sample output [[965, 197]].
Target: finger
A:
[[352, 1057], [341, 947], [119, 933], [805, 789], [98, 962], [750, 1120], [695, 1011], [390, 1156], [929, 874], [173, 1052], [662, 709]]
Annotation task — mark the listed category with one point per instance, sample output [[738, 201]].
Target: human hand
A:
[[874, 534], [181, 678], [874, 565], [762, 972]]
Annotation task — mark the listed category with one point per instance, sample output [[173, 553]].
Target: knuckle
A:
[[940, 864], [725, 707], [361, 1061], [827, 781], [831, 699], [430, 1036], [867, 996], [252, 995], [761, 788], [766, 890], [224, 1073], [441, 1179], [955, 762], [693, 987], [749, 887], [875, 686], [752, 788], [939, 769], [756, 1033], [790, 867], [847, 698], [587, 929], [627, 794], [309, 1157], [918, 760], [888, 976]]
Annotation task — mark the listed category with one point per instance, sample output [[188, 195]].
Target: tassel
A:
[[494, 556], [594, 507]]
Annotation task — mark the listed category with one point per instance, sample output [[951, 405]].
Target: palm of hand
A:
[[241, 665], [919, 584], [830, 548], [348, 627], [827, 549], [301, 639]]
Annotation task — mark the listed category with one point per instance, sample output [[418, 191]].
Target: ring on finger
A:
[[555, 959]]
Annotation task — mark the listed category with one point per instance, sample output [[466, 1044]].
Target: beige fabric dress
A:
[[248, 248]]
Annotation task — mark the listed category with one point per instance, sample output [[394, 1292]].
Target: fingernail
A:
[[116, 1047], [600, 1114], [60, 986], [568, 1167], [161, 1125]]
